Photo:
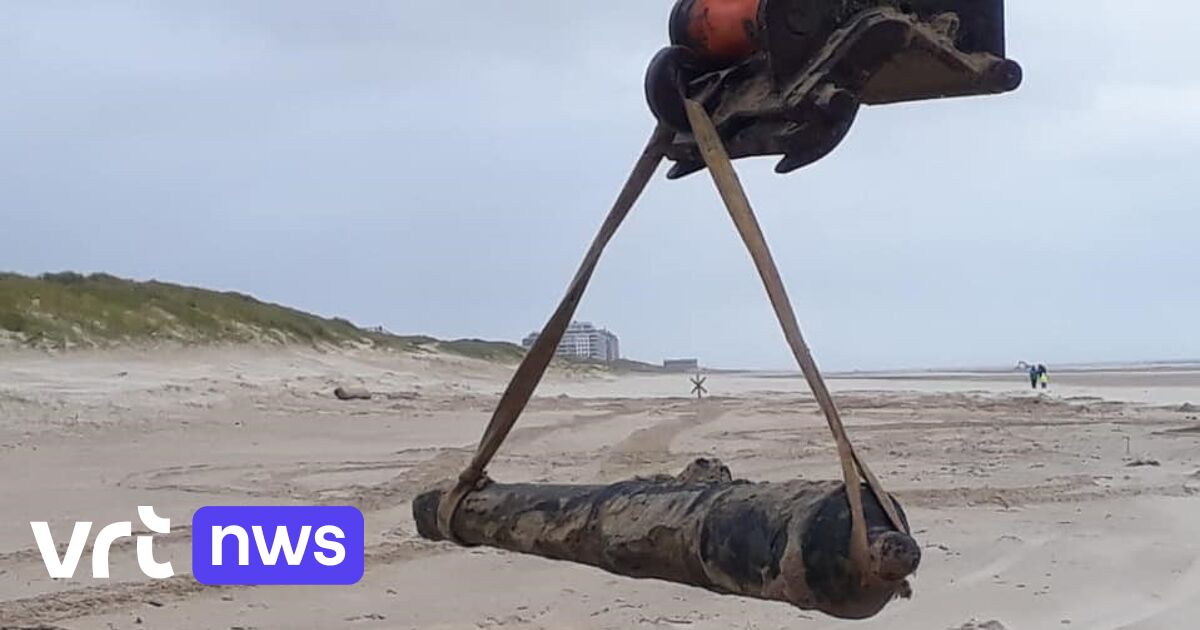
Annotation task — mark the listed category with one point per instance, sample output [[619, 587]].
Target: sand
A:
[[1026, 504]]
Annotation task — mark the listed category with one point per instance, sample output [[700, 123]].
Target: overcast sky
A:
[[440, 168]]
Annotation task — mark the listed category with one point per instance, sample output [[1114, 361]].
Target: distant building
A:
[[681, 365], [584, 341]]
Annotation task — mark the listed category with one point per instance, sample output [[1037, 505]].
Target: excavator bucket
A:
[[787, 77]]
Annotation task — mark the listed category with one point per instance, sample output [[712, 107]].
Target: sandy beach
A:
[[1075, 508]]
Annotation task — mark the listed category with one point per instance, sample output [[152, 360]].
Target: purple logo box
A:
[[283, 545]]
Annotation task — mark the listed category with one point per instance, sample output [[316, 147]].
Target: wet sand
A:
[[1026, 504]]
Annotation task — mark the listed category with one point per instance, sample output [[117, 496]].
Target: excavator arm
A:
[[787, 77]]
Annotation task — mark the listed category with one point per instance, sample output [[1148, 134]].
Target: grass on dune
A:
[[63, 310]]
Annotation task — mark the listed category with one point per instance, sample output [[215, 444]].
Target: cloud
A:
[[440, 168]]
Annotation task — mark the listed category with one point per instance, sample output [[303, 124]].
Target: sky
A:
[[440, 168]]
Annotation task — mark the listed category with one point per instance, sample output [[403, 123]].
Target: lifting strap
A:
[[534, 365], [734, 196], [520, 389]]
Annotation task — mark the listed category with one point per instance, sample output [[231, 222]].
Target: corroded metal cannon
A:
[[786, 542]]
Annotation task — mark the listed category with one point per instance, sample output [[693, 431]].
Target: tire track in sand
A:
[[652, 446], [644, 445], [98, 600]]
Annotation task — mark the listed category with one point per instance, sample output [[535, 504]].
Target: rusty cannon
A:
[[787, 542]]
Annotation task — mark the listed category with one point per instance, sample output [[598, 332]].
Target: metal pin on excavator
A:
[[743, 78]]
